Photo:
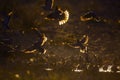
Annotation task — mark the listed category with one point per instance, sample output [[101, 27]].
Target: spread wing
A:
[[84, 39]]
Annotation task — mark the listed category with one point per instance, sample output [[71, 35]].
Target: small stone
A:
[[42, 13], [17, 75], [28, 72], [119, 21], [31, 59]]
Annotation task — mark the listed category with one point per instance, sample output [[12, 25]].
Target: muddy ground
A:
[[60, 58]]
